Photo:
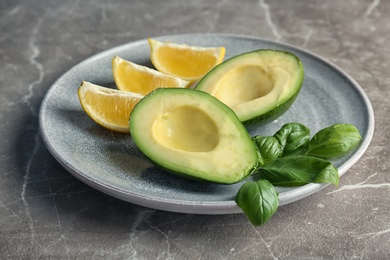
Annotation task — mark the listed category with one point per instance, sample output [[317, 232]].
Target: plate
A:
[[111, 163]]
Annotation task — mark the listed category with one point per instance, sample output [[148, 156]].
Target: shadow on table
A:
[[53, 199]]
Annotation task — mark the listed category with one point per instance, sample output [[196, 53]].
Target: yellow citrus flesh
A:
[[140, 79], [109, 108], [187, 62]]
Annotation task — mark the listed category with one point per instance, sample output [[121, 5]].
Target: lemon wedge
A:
[[184, 61], [129, 76], [109, 108]]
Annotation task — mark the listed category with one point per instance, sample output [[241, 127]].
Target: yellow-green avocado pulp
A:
[[259, 86], [193, 134]]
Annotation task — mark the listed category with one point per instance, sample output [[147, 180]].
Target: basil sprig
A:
[[291, 158]]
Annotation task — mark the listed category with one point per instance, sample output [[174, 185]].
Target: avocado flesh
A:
[[258, 86], [192, 134]]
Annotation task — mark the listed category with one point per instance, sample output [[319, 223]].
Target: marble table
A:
[[46, 213]]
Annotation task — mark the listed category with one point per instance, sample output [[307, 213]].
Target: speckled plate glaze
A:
[[111, 163]]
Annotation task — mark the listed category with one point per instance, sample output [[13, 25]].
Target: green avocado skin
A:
[[273, 114], [189, 177]]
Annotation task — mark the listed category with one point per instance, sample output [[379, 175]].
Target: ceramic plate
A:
[[111, 163]]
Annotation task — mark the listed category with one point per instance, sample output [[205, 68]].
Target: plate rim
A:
[[205, 207]]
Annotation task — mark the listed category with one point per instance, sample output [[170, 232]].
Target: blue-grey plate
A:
[[111, 163]]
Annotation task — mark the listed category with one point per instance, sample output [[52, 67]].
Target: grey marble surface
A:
[[46, 213]]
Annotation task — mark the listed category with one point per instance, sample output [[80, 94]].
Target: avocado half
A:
[[193, 134], [259, 86]]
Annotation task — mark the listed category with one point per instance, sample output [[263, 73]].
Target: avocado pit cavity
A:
[[186, 128], [242, 84]]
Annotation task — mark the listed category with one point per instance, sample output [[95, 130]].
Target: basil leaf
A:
[[299, 170], [268, 147], [291, 139], [294, 138], [259, 201], [334, 141]]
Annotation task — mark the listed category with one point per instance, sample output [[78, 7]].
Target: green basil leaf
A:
[[258, 200], [294, 138], [299, 170], [291, 139], [329, 174], [268, 147], [334, 141]]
